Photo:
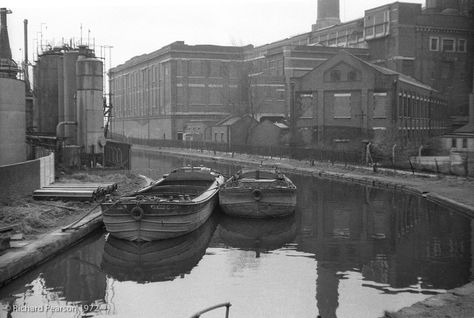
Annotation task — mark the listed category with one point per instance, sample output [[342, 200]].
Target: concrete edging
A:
[[15, 263]]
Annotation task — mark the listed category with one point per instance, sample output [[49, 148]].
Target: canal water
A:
[[349, 251]]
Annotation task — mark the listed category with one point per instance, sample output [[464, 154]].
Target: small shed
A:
[[460, 140], [233, 130], [268, 133]]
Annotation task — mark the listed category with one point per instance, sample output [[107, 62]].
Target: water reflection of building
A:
[[391, 238], [257, 235], [76, 274]]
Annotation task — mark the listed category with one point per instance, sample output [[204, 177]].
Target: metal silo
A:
[[69, 101], [60, 79], [12, 121], [47, 90], [90, 128], [12, 102]]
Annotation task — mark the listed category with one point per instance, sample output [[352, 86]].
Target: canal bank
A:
[[448, 191], [20, 259], [451, 192], [46, 228]]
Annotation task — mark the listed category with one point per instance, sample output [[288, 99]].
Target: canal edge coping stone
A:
[[15, 262]]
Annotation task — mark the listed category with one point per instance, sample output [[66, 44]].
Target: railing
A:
[[227, 305], [399, 159], [300, 153]]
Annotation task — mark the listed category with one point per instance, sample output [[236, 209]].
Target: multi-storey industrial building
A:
[[178, 90], [182, 89]]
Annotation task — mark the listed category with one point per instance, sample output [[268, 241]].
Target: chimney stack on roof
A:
[[8, 67], [328, 14]]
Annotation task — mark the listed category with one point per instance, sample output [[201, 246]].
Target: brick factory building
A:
[[183, 89], [346, 97]]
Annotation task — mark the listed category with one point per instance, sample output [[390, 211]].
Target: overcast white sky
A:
[[134, 27]]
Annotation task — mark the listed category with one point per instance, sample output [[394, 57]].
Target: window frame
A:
[[346, 115], [437, 44], [448, 39], [454, 143], [464, 47]]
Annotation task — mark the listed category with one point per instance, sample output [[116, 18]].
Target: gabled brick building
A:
[[349, 98]]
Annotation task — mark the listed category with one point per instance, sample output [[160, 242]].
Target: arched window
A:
[[352, 76], [335, 76]]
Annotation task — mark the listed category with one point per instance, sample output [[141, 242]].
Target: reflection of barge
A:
[[256, 234], [258, 194], [159, 260], [173, 206]]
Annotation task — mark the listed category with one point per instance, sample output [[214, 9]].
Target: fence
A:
[[299, 153], [461, 164], [398, 159], [117, 155]]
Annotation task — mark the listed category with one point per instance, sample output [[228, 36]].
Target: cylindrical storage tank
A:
[[90, 116], [47, 92], [70, 114], [433, 6], [60, 77], [451, 4], [12, 121]]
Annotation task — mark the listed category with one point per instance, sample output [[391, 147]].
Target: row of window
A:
[[336, 76], [207, 96], [205, 68], [377, 24], [342, 39], [448, 44], [454, 143], [418, 106], [342, 105]]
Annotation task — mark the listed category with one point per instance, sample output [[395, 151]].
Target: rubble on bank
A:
[[33, 217]]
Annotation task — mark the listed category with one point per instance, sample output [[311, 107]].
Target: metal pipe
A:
[[25, 22], [60, 124], [227, 305], [25, 26]]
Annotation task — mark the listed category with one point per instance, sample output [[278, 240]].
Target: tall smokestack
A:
[[27, 75], [25, 23], [5, 51], [8, 67], [328, 14]]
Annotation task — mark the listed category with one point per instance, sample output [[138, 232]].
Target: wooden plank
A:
[[8, 228]]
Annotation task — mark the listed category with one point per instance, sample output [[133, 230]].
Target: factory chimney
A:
[[328, 14], [8, 67]]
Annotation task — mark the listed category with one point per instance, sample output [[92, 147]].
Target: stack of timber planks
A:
[[86, 191]]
